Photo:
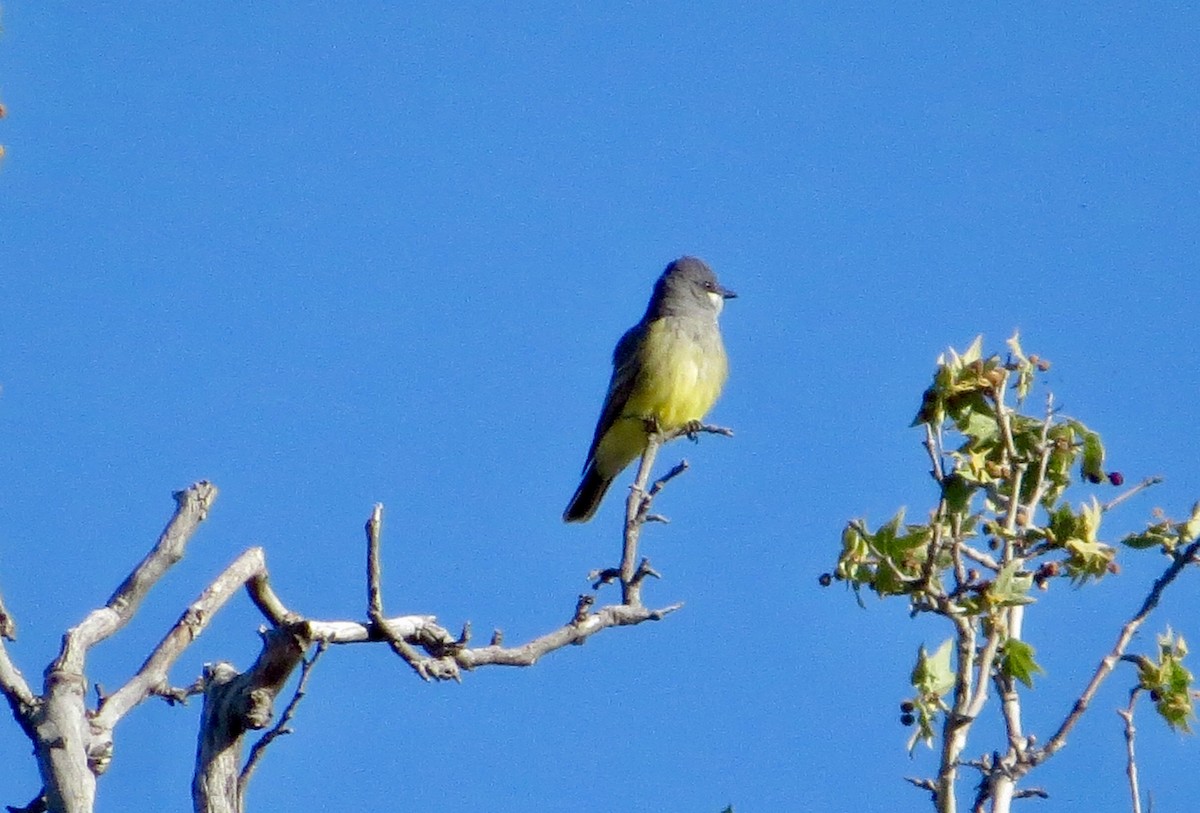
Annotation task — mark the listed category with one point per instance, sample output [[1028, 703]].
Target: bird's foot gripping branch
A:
[[1001, 530]]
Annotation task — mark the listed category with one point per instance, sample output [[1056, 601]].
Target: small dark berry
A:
[[907, 707], [993, 543], [1114, 568], [1116, 478], [1155, 696], [825, 579], [907, 719]]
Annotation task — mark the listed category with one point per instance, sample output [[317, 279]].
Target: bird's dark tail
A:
[[587, 497]]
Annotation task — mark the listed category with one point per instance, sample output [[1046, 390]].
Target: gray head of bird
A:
[[688, 285]]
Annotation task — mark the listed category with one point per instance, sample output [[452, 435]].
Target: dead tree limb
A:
[[74, 743]]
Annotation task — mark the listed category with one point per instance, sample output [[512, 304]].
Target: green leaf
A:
[[957, 491], [973, 353], [1017, 661], [1011, 587], [932, 675], [1158, 535], [1092, 465], [1169, 681]]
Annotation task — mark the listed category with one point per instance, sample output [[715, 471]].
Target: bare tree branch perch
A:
[[75, 745], [637, 505]]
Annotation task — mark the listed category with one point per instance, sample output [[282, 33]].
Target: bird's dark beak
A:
[[728, 294]]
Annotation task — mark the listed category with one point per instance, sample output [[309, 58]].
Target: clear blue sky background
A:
[[328, 255]]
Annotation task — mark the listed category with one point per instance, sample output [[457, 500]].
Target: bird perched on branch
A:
[[668, 370]]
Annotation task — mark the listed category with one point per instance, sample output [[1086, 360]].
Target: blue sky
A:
[[331, 255]]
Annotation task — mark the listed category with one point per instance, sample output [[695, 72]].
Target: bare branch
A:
[[151, 678], [397, 643], [1180, 560], [979, 557], [17, 692], [637, 505], [958, 719], [280, 728], [71, 760], [1131, 769], [575, 632], [82, 745], [933, 447], [1140, 487], [1042, 483], [192, 506], [264, 598], [374, 528], [446, 652], [235, 703]]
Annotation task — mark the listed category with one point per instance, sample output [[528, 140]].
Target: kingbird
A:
[[668, 370]]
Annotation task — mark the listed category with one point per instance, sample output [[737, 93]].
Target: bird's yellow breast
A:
[[683, 369]]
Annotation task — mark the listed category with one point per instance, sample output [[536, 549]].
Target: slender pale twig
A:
[[1179, 561], [1142, 486], [1131, 769], [280, 728]]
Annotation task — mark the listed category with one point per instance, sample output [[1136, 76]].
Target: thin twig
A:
[[1179, 561], [1142, 486], [978, 556], [933, 447], [280, 728], [1131, 769]]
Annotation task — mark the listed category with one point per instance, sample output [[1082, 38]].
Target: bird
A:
[[668, 371]]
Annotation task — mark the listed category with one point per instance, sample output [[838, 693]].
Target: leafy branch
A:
[[1002, 530]]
